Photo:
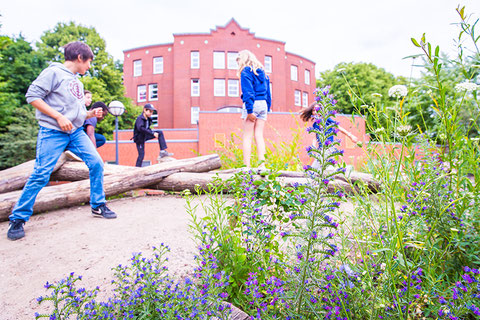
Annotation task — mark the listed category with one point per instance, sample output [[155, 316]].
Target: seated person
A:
[[142, 133], [91, 123]]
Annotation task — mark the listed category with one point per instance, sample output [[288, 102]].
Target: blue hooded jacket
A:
[[255, 87]]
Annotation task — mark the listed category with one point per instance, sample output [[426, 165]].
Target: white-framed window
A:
[[293, 73], [298, 98], [232, 60], [271, 90], [155, 118], [137, 68], [194, 59], [307, 76], [153, 91], [232, 88], [142, 93], [157, 65], [195, 87], [268, 64], [219, 87], [304, 99], [219, 60], [194, 115]]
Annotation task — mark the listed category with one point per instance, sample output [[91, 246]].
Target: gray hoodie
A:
[[61, 90]]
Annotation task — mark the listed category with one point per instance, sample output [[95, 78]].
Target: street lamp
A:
[[116, 108]]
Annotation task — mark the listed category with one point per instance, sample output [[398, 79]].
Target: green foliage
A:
[[364, 80], [17, 143], [19, 66]]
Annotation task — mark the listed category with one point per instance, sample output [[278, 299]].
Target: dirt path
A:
[[71, 240]]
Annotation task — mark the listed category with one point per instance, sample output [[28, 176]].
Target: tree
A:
[[104, 78], [354, 85], [19, 66]]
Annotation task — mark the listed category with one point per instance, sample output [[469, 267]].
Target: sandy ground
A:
[[71, 240]]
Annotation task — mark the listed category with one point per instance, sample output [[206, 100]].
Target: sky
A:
[[327, 32]]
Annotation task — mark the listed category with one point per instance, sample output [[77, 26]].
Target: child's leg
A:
[[141, 154], [247, 141], [259, 140], [100, 139], [82, 146], [50, 145], [161, 140]]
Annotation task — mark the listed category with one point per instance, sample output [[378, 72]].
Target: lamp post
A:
[[116, 108]]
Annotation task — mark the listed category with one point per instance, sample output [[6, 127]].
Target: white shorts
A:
[[260, 110]]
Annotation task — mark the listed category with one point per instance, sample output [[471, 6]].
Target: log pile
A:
[[176, 175]]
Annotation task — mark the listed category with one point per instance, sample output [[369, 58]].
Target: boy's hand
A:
[[65, 124], [155, 134], [97, 112]]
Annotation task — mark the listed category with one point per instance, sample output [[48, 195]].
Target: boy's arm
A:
[[90, 130], [97, 112], [43, 107], [348, 134]]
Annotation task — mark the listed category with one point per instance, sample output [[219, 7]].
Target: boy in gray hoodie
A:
[[58, 96]]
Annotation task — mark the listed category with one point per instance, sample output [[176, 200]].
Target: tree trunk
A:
[[15, 178], [75, 171], [65, 195], [192, 181]]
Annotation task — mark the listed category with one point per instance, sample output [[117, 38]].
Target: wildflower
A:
[[398, 91], [403, 131], [466, 86], [376, 95]]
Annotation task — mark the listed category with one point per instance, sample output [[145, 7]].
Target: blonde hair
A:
[[247, 59]]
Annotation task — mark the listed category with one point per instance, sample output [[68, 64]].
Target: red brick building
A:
[[193, 84], [198, 72]]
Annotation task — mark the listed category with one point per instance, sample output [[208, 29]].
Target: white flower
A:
[[398, 91], [466, 86], [376, 95], [403, 131]]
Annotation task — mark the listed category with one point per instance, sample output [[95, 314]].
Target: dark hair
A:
[[99, 104], [306, 114], [77, 48], [86, 91]]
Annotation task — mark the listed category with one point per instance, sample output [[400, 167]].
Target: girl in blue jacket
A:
[[256, 103]]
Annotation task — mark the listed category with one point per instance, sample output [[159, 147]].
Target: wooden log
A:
[[78, 192], [75, 171], [188, 180], [15, 178]]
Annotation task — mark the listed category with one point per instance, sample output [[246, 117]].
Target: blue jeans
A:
[[50, 145], [100, 139]]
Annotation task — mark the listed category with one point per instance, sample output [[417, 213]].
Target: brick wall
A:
[[186, 143]]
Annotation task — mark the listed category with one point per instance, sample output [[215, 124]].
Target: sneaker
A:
[[103, 212], [165, 153], [15, 230]]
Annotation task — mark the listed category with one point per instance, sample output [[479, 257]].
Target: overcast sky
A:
[[327, 32]]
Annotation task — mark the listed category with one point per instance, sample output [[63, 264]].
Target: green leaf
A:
[[415, 42]]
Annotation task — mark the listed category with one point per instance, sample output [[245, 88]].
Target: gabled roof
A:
[[220, 28]]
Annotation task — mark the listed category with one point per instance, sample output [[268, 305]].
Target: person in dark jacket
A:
[[256, 103], [142, 133]]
